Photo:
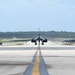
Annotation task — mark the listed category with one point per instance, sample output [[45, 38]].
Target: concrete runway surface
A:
[[59, 59]]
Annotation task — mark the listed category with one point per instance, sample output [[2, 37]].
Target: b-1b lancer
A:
[[39, 39]]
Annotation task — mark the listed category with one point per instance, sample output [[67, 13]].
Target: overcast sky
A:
[[30, 15]]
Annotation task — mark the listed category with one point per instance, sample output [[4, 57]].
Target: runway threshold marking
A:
[[38, 67]]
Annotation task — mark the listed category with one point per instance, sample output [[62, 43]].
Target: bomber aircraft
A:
[[39, 39]]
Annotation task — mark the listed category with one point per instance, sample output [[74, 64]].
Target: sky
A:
[[31, 15]]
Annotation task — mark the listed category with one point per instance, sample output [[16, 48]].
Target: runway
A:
[[35, 47], [59, 60], [38, 67]]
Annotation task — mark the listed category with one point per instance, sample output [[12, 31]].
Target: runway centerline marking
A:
[[36, 67]]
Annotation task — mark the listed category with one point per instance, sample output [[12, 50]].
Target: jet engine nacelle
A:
[[35, 43], [45, 40], [0, 43], [33, 40], [42, 43]]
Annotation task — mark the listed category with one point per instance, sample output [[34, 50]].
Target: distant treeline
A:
[[48, 34]]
